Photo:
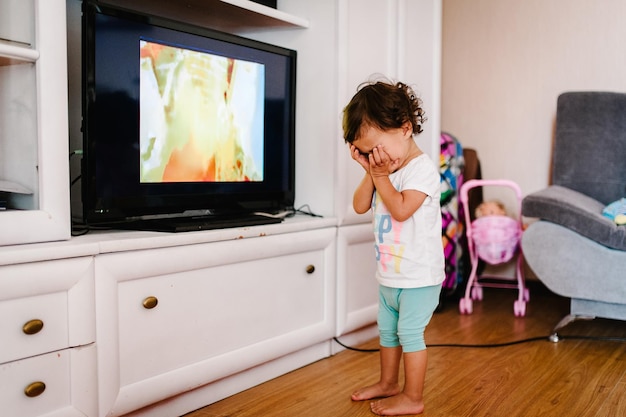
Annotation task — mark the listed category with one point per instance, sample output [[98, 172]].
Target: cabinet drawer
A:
[[59, 384], [46, 306], [33, 325], [173, 319], [210, 312]]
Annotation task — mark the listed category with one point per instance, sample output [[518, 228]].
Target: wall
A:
[[315, 101], [402, 41], [504, 64], [345, 45]]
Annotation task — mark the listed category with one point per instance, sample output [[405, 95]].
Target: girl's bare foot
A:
[[377, 390], [400, 404]]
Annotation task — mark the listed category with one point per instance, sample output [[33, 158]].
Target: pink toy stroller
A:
[[495, 240]]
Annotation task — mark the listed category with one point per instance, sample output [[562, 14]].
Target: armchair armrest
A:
[[577, 212]]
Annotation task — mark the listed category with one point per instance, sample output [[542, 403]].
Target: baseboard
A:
[[218, 390]]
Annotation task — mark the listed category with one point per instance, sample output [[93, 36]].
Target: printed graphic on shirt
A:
[[409, 253], [388, 246]]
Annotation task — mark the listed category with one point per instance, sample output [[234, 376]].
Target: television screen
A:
[[181, 121]]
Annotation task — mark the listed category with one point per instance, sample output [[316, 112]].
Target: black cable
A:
[[504, 344], [308, 211], [595, 338], [77, 228], [76, 232], [489, 345], [353, 348], [457, 345]]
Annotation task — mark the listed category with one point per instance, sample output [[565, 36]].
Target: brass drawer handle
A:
[[35, 389], [310, 269], [32, 326], [150, 302]]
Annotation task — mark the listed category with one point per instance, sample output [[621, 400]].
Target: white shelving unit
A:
[[92, 363], [34, 172], [235, 16]]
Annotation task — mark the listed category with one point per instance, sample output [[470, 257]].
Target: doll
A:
[[490, 208]]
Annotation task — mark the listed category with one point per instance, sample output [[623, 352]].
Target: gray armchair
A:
[[574, 250]]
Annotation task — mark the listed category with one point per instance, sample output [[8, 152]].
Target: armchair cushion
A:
[[590, 144], [576, 211]]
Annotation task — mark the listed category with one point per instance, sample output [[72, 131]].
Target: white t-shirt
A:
[[409, 254]]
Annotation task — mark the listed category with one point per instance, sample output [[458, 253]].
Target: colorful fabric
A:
[[451, 164], [616, 211]]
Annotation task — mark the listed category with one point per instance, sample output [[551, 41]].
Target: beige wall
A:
[[506, 61]]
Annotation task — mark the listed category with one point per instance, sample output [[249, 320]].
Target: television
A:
[[184, 127]]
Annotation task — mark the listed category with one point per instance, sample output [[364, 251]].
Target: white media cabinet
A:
[[124, 323]]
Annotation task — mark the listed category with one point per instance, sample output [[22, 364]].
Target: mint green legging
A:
[[403, 314]]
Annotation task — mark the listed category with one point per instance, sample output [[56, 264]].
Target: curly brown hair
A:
[[383, 105]]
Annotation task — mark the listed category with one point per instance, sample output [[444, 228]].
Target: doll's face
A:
[[490, 208]]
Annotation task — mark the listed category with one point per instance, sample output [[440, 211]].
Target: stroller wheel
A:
[[519, 308], [477, 293], [465, 306], [526, 294]]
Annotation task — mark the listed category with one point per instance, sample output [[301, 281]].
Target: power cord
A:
[[353, 348], [78, 228], [305, 209], [592, 338], [503, 344], [489, 345]]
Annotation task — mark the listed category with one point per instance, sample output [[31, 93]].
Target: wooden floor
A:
[[574, 377]]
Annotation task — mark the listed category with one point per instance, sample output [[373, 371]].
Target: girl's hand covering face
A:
[[377, 163], [381, 163], [361, 158]]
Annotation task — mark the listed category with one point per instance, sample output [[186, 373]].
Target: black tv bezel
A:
[[192, 199]]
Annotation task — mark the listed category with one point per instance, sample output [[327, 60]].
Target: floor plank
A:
[[575, 377]]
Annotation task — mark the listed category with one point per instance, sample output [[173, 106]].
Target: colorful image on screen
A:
[[201, 116]]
